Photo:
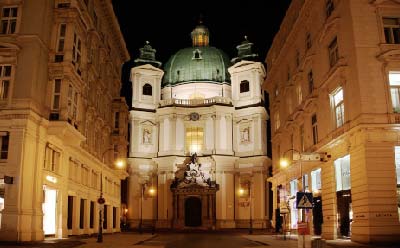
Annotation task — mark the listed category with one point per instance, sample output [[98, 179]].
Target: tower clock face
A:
[[194, 116]]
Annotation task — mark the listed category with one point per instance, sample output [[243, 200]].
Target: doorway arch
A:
[[193, 212]]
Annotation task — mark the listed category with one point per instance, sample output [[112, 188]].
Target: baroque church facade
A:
[[198, 139]]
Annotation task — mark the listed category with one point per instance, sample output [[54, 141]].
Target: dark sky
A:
[[167, 24]]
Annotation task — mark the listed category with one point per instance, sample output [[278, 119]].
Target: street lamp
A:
[[242, 192], [101, 199]]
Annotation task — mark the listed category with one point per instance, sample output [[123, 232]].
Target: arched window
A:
[[244, 86], [147, 90]]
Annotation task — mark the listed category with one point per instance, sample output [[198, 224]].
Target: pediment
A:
[[328, 27], [147, 122]]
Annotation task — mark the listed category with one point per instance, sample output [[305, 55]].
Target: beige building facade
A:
[[62, 120], [333, 78]]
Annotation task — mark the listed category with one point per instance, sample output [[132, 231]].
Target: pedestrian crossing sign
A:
[[304, 200]]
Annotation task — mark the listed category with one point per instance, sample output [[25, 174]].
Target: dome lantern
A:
[[200, 35]]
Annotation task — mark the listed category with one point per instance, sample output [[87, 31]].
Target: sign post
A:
[[304, 201]]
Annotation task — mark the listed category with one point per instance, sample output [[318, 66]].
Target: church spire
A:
[[200, 34]]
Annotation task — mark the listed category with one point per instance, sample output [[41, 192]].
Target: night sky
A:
[[167, 25]]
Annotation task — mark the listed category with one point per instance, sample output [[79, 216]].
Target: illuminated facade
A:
[[62, 121], [333, 78], [199, 103]]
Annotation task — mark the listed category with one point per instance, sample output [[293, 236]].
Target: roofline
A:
[[117, 30]]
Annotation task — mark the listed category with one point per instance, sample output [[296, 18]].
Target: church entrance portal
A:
[[194, 194], [193, 212]]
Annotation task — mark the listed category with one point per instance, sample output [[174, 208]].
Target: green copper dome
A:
[[197, 64]]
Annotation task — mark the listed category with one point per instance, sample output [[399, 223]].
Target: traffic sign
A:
[[304, 200]]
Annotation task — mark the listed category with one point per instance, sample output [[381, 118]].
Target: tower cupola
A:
[[200, 35]]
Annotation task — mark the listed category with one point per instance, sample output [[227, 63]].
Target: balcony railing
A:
[[196, 102]]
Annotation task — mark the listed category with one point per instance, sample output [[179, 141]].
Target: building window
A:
[[5, 78], [301, 131], [314, 126], [342, 172], [147, 90], [72, 103], [9, 20], [91, 214], [55, 106], [333, 52], [52, 159], [316, 180], [116, 120], [61, 37], [4, 141], [299, 94], [391, 27], [244, 86], [305, 182], [338, 106], [308, 41], [76, 53], [277, 121], [310, 78], [394, 82], [397, 163], [194, 139], [329, 7]]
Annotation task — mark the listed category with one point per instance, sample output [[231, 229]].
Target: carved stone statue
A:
[[195, 175], [146, 136]]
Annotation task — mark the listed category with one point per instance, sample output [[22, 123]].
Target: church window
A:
[[244, 86], [5, 78], [9, 20], [194, 139], [147, 90], [197, 54]]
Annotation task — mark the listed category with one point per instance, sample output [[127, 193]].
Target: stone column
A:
[[328, 192], [164, 198], [225, 194]]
